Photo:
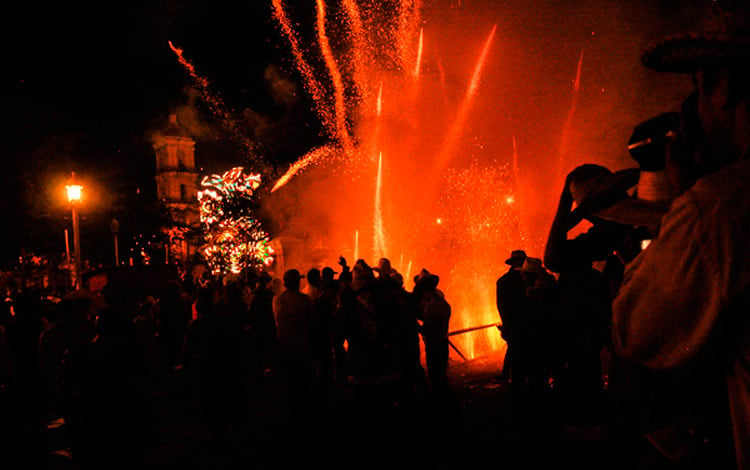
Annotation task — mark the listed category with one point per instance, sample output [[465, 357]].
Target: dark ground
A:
[[483, 424]]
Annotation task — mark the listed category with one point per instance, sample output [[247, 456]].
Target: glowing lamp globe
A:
[[74, 192]]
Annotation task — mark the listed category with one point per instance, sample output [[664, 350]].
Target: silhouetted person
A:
[[682, 309], [110, 414], [528, 363], [28, 412], [324, 306], [213, 357], [172, 315], [293, 311], [510, 298], [262, 327], [72, 330], [436, 313]]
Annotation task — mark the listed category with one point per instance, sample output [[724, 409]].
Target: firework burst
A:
[[235, 239]]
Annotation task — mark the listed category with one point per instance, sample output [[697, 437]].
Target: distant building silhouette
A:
[[177, 187]]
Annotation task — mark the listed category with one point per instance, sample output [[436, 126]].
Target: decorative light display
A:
[[234, 237]]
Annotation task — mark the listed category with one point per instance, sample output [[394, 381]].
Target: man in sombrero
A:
[[682, 309]]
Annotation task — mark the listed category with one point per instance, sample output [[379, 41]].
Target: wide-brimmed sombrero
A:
[[723, 39], [600, 193]]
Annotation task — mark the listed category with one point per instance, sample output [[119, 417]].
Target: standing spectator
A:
[[682, 309], [436, 313], [509, 296], [262, 327], [293, 311]]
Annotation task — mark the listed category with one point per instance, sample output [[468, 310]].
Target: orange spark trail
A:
[[567, 126], [380, 100], [409, 20], [314, 156], [452, 138], [359, 45], [515, 165], [311, 84], [419, 52], [378, 228], [338, 84], [577, 82], [408, 273], [356, 245], [215, 103]]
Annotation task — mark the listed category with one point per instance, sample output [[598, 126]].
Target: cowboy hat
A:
[[516, 255], [600, 193], [723, 39], [384, 267]]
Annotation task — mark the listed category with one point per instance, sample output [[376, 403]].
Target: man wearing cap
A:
[[683, 305], [509, 296]]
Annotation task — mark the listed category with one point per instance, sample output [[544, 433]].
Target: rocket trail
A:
[[215, 103], [312, 157], [409, 20], [359, 46], [356, 246], [311, 84], [379, 250], [454, 133], [419, 53], [338, 84], [568, 124]]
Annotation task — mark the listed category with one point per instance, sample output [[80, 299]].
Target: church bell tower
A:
[[177, 185]]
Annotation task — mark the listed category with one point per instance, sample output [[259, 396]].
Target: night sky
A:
[[85, 85]]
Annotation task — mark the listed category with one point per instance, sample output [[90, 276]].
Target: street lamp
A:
[[74, 198]]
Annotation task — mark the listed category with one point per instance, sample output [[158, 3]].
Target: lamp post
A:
[[74, 198], [114, 227]]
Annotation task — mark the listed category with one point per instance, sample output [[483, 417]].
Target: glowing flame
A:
[[382, 52]]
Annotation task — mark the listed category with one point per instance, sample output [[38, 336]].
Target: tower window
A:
[[183, 192]]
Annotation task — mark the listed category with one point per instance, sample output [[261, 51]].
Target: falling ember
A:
[[378, 228], [338, 84], [419, 52], [314, 156], [451, 140], [311, 83], [215, 103]]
